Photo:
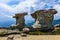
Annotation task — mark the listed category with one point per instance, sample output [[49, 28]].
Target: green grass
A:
[[57, 31], [45, 33], [2, 33]]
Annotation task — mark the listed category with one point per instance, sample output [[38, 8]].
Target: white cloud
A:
[[4, 1], [4, 6], [25, 6], [57, 7], [8, 16], [8, 8], [9, 1]]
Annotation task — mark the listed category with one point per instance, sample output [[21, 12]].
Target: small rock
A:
[[23, 35], [10, 37]]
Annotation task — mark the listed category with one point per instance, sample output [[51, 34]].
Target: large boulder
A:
[[44, 19]]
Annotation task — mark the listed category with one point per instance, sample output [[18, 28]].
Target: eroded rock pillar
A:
[[20, 21], [44, 18]]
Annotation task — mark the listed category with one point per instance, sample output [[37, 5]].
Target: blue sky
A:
[[8, 8]]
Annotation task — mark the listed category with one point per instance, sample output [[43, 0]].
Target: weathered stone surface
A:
[[20, 21], [44, 17], [20, 18]]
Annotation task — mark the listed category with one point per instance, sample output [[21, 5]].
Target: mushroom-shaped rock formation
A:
[[20, 21], [44, 18]]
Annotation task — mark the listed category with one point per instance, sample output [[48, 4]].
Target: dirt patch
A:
[[34, 37]]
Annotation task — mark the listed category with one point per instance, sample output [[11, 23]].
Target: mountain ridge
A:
[[8, 23]]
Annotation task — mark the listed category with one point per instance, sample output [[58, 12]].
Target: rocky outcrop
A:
[[20, 21], [44, 18]]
